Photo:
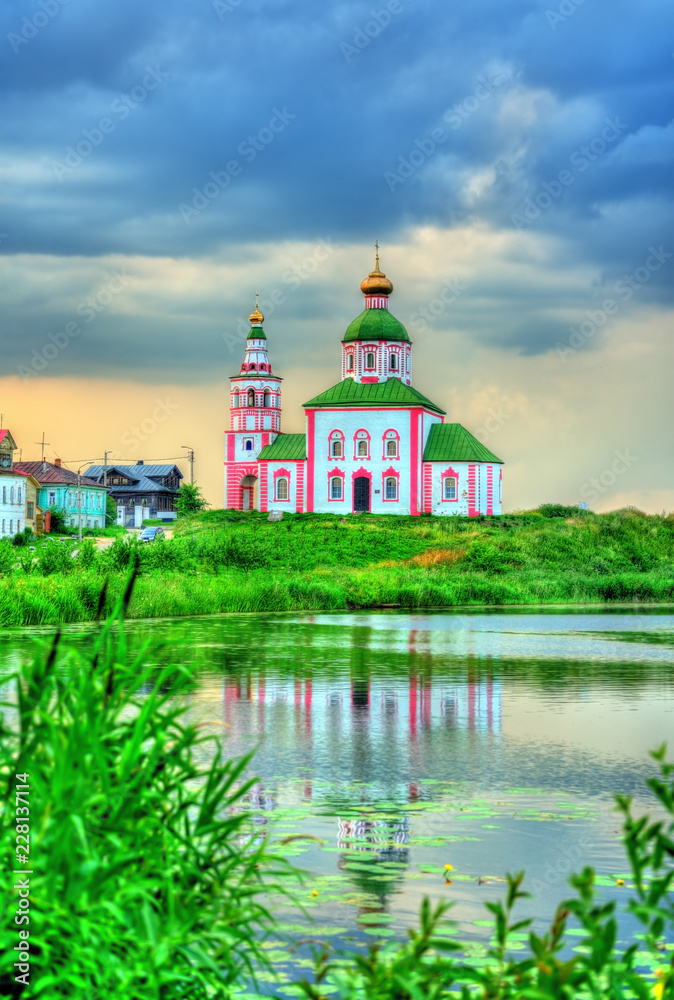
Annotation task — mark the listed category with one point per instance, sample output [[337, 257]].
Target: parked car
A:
[[151, 535]]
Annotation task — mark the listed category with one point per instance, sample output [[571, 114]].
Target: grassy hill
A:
[[236, 561]]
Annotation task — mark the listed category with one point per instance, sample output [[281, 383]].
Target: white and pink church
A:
[[372, 441]]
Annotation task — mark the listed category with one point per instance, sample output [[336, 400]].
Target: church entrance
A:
[[248, 484], [361, 494]]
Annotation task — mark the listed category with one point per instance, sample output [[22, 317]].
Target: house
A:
[[19, 508], [152, 487], [372, 442], [58, 489]]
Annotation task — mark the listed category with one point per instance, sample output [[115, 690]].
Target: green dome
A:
[[376, 324]]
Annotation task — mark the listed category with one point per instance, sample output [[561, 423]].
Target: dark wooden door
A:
[[361, 493]]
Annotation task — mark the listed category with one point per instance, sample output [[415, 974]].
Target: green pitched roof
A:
[[286, 447], [256, 333], [376, 324], [453, 443], [392, 392]]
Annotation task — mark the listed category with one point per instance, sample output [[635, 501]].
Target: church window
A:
[[336, 445], [349, 362], [391, 444], [252, 368], [391, 448], [263, 368], [235, 399], [393, 362], [450, 488], [267, 398], [361, 444], [251, 397], [248, 444], [369, 359], [391, 487], [336, 488], [282, 488], [362, 448]]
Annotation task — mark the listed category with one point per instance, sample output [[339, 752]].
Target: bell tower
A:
[[254, 417]]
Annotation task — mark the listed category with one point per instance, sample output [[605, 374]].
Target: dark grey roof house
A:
[[151, 486]]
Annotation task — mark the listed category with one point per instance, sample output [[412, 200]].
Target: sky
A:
[[162, 161]]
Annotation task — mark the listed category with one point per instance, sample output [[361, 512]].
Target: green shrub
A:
[[7, 556], [54, 557]]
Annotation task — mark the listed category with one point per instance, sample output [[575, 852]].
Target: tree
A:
[[110, 511], [190, 500], [59, 521]]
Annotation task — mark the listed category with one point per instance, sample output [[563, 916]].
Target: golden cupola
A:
[[376, 282]]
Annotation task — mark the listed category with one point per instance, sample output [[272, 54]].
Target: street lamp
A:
[[190, 455]]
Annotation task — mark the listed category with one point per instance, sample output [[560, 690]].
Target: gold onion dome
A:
[[376, 282], [256, 318]]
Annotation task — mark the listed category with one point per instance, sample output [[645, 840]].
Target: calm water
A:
[[491, 742]]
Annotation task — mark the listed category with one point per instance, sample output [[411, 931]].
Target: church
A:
[[372, 441]]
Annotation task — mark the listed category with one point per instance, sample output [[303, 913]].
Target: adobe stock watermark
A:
[[580, 160], [625, 288], [563, 12], [559, 869], [424, 148], [121, 107], [379, 20], [494, 422], [136, 435], [222, 7], [32, 26], [598, 485], [88, 309], [248, 149], [420, 319], [292, 278]]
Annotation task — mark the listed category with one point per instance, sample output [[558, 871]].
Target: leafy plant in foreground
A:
[[146, 882]]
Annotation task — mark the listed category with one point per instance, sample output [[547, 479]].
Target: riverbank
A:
[[228, 561]]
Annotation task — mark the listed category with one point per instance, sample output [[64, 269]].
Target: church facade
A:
[[372, 441]]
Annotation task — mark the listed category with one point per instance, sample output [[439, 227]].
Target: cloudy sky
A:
[[162, 160]]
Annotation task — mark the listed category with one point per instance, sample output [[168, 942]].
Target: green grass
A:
[[234, 561]]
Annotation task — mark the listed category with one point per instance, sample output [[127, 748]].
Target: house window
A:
[[393, 362], [336, 488], [18, 495], [18, 525], [391, 448], [11, 494], [51, 498], [30, 509], [369, 359], [4, 496], [349, 362], [450, 488], [282, 488], [11, 526], [391, 487]]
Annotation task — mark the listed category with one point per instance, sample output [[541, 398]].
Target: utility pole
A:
[[190, 455], [79, 505], [105, 468]]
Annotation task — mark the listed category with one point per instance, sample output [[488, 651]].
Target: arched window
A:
[[393, 362], [248, 444], [369, 359], [251, 368], [263, 368], [236, 399], [391, 448], [336, 445], [361, 444], [449, 488], [362, 448], [11, 494], [349, 362], [251, 397], [336, 488], [282, 488], [267, 398], [18, 499], [391, 487], [391, 444]]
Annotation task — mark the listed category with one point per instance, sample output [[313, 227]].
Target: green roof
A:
[[376, 324], [453, 443], [256, 333], [286, 447], [392, 392]]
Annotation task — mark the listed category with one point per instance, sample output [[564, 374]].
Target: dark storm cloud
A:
[[328, 112]]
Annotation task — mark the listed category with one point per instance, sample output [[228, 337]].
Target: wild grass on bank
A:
[[233, 561]]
